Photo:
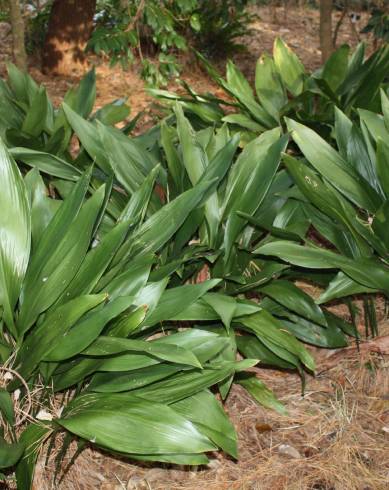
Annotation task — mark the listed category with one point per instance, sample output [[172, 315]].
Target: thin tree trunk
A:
[[326, 45], [17, 23], [70, 27]]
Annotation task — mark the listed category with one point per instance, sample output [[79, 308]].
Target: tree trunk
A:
[[17, 23], [326, 45], [70, 27]]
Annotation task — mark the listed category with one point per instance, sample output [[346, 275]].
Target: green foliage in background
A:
[[283, 87], [156, 33], [378, 25]]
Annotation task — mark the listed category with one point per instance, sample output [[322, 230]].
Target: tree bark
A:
[[326, 45], [70, 27], [17, 23]]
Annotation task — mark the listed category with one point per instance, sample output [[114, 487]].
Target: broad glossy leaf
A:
[[15, 234], [116, 382], [113, 113], [82, 98], [137, 205], [195, 160], [176, 169], [261, 393], [21, 84], [244, 121], [330, 202], [57, 324], [239, 87], [295, 299], [150, 295], [329, 336], [158, 229], [185, 384], [354, 71], [359, 155], [268, 85], [10, 453], [207, 414], [42, 207], [375, 124], [270, 270], [375, 71], [49, 276], [250, 181], [289, 67], [342, 286], [204, 345], [267, 328], [133, 426], [6, 407], [105, 346], [120, 155], [201, 310], [336, 67], [333, 167], [175, 300], [130, 281], [95, 263], [87, 329], [225, 306], [252, 347], [368, 272], [343, 127], [61, 221], [46, 163], [39, 116], [89, 137], [383, 165]]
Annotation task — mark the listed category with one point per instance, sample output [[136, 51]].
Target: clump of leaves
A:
[[283, 87], [378, 25], [96, 273], [344, 193]]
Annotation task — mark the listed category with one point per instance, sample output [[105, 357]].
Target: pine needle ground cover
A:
[[102, 250]]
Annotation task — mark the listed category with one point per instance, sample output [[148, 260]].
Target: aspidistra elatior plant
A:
[[284, 87], [101, 254]]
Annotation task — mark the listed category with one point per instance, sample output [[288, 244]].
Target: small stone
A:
[[289, 451], [214, 464], [44, 415], [136, 483]]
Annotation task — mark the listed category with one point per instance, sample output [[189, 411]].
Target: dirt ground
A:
[[336, 436], [299, 28]]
